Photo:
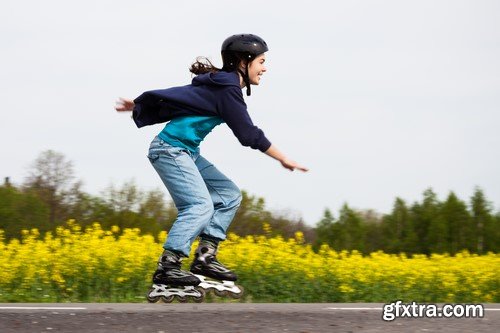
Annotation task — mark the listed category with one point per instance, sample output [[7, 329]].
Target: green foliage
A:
[[485, 226], [325, 231], [251, 218], [49, 197], [398, 229], [426, 227], [457, 224], [21, 210], [351, 230]]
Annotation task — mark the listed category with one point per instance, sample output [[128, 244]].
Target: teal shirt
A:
[[188, 132]]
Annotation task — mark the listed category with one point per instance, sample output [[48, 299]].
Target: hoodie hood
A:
[[217, 79]]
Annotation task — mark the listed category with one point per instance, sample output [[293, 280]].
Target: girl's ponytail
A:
[[202, 65]]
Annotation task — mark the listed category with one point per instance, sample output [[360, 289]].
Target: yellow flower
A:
[[71, 263]]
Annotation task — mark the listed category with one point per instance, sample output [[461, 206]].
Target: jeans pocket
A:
[[175, 152], [153, 157]]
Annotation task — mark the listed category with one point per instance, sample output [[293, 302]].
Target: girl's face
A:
[[256, 69]]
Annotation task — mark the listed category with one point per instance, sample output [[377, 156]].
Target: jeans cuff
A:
[[210, 239]]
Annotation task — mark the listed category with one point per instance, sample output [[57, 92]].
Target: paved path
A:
[[227, 317]]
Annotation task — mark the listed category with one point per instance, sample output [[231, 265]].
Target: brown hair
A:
[[202, 65]]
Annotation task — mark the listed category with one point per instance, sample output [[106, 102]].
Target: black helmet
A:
[[241, 47], [253, 45]]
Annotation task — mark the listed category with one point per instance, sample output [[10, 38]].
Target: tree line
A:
[[50, 196], [429, 226]]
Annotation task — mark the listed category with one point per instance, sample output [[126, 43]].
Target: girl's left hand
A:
[[124, 104]]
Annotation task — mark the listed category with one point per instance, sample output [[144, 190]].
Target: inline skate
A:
[[212, 274], [170, 282]]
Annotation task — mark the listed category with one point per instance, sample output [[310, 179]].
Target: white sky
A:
[[378, 98]]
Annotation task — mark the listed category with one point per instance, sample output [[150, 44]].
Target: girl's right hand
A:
[[124, 104], [292, 165]]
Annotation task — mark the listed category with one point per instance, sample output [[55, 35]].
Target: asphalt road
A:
[[227, 317]]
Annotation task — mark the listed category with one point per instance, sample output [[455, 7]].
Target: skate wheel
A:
[[182, 299], [237, 295], [152, 299], [220, 293], [202, 297], [167, 299], [155, 299]]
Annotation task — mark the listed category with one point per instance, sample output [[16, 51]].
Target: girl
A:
[[206, 200]]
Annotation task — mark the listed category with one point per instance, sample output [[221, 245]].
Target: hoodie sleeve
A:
[[146, 110], [233, 110]]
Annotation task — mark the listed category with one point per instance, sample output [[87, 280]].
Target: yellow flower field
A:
[[96, 265]]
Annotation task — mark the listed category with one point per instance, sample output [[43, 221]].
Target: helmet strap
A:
[[246, 79]]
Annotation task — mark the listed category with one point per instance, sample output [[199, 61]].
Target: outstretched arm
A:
[[123, 105], [287, 163]]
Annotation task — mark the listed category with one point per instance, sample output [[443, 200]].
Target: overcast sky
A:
[[378, 98]]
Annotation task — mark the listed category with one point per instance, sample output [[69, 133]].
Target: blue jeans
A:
[[206, 200]]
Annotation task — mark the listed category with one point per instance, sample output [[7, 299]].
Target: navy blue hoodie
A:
[[211, 94]]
